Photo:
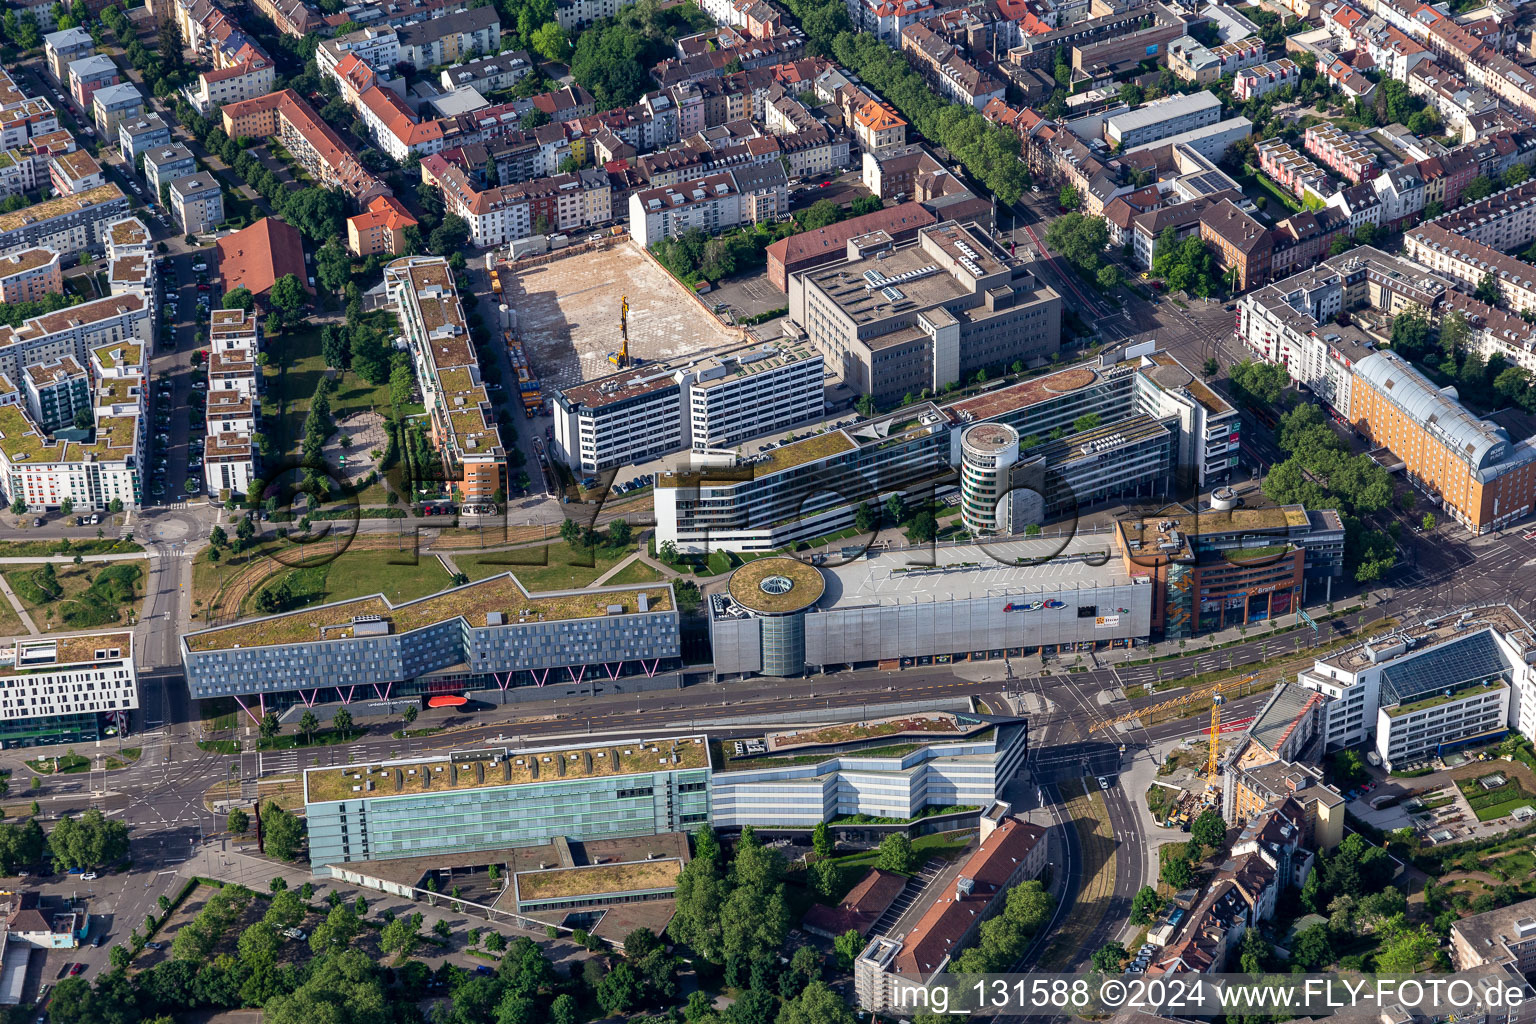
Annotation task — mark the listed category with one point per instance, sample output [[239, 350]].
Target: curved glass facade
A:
[[784, 644]]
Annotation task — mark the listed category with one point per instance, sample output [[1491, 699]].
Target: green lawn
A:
[[635, 572], [555, 567], [355, 574]]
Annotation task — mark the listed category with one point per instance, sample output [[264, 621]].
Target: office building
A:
[[1014, 852], [994, 500], [197, 203], [464, 430], [29, 274], [716, 402], [1127, 424], [66, 689], [1425, 689], [1162, 118], [487, 634], [1219, 568], [66, 224], [811, 249], [163, 165], [500, 797], [900, 320], [802, 779], [1481, 477]]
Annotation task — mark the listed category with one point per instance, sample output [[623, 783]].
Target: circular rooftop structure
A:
[[777, 586], [990, 438], [1172, 376], [1069, 380]]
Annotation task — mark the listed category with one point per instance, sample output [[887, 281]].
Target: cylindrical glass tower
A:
[[987, 454]]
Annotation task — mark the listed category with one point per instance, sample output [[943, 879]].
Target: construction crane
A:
[[621, 357], [1217, 694]]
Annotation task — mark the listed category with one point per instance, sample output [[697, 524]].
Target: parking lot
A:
[[178, 389]]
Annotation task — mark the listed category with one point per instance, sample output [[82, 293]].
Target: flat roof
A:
[[494, 767], [777, 585], [1018, 396], [1433, 632], [27, 259], [597, 880], [969, 572], [28, 654], [59, 207], [472, 602]]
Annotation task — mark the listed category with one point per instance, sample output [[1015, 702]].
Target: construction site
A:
[[566, 313]]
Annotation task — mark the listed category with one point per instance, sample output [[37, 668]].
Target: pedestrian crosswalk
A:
[[279, 761]]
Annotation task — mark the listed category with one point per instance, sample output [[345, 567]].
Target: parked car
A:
[[75, 969], [1103, 782]]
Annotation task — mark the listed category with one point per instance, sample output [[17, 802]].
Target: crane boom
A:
[[1193, 695]]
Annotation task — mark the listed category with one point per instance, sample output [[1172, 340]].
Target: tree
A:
[[1177, 873], [896, 854], [619, 991], [896, 509], [1109, 277], [821, 839], [1079, 239], [286, 298], [1407, 949], [270, 726], [1109, 957], [865, 405], [822, 212], [1341, 244], [240, 298], [91, 841], [1087, 421], [1260, 385], [1516, 174], [1145, 905], [816, 1004], [1210, 368], [402, 384], [1312, 950], [619, 533], [1209, 830], [1487, 290], [1069, 199], [282, 833], [866, 205], [341, 721], [846, 948], [825, 880], [1454, 333], [401, 936], [449, 236], [924, 528], [866, 517], [308, 723], [408, 716], [238, 820], [1428, 522]]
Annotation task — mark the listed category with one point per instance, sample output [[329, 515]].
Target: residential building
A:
[[1244, 247], [377, 46], [77, 688], [1192, 61], [1292, 171], [1263, 79], [75, 332], [560, 202], [394, 126], [945, 67], [67, 224], [713, 204], [87, 74], [811, 249], [255, 257], [246, 80], [450, 38], [197, 203], [62, 48], [163, 165], [953, 304], [1341, 153], [113, 104], [713, 402], [75, 172], [474, 462], [230, 459], [43, 472], [1013, 853], [137, 136], [877, 126], [957, 764], [379, 228], [26, 275], [401, 808], [1304, 239], [310, 140], [1257, 777], [1427, 688], [1401, 190], [489, 634], [55, 392], [1496, 937], [1162, 118], [491, 73]]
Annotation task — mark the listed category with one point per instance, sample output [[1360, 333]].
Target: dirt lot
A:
[[568, 314]]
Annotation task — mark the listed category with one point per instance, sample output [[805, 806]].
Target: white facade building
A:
[[89, 677]]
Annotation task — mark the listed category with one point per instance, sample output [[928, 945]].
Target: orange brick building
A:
[[380, 228], [1484, 480], [28, 275]]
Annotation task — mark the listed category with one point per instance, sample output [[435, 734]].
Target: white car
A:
[[1103, 782], [89, 876]]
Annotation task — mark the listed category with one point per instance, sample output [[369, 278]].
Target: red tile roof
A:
[[257, 256], [861, 908]]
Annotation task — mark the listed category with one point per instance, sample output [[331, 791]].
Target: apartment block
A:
[[896, 320], [716, 402], [491, 73], [67, 224], [1340, 152], [74, 332], [1262, 79], [138, 135], [75, 172], [1193, 61], [78, 688], [379, 228], [197, 203], [712, 204], [230, 459], [114, 104], [1292, 171], [55, 392], [29, 274], [90, 73], [63, 48], [450, 38], [246, 80], [474, 462], [311, 141], [165, 164]]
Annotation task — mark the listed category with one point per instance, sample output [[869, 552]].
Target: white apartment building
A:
[[951, 773], [246, 80], [711, 203], [74, 332], [1425, 688], [378, 47], [712, 403], [43, 472], [229, 451], [68, 224], [66, 688], [1162, 118]]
